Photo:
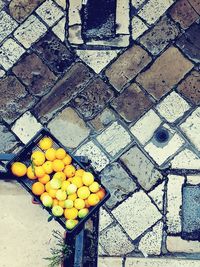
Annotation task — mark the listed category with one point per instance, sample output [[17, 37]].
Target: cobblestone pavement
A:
[[123, 89]]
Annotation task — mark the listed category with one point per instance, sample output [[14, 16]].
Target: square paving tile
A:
[[7, 25]]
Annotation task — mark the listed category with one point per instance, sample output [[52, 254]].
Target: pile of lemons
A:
[[68, 191]]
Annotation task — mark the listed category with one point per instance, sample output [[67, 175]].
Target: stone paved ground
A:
[[123, 89]]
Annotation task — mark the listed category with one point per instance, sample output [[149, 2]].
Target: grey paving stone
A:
[[107, 262], [103, 119], [7, 25], [157, 195], [117, 180], [104, 219], [7, 140], [177, 244], [141, 167]]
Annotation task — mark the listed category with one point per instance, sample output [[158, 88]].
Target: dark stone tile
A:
[[103, 119], [35, 74], [93, 99], [132, 103], [160, 35], [73, 81], [191, 213], [118, 182], [189, 42], [56, 54], [14, 99], [183, 13], [7, 140], [190, 87], [196, 5]]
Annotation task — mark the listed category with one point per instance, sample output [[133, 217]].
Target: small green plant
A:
[[60, 252]]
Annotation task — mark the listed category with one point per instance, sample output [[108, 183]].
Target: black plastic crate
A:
[[24, 156]]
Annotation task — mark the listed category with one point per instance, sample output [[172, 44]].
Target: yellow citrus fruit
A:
[[55, 202], [69, 171], [71, 213], [58, 165], [50, 154], [88, 178], [101, 193], [65, 184], [19, 169], [94, 187], [70, 179], [83, 192], [79, 204], [72, 196], [38, 188], [45, 143], [48, 167], [44, 179], [79, 172], [67, 160], [61, 203], [60, 175], [61, 195], [43, 195], [39, 171], [60, 153], [77, 180], [38, 158], [52, 192], [93, 199], [30, 173], [47, 186]]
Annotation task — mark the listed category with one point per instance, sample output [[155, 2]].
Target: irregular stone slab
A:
[[118, 182], [141, 214], [127, 66], [14, 99], [104, 219], [151, 242], [74, 12], [174, 203], [35, 74], [93, 99], [186, 159], [69, 128], [74, 35], [137, 3], [160, 35], [141, 167], [193, 179], [7, 140], [59, 29], [177, 244], [26, 127], [61, 3], [196, 5], [114, 139], [115, 242], [157, 195], [107, 262], [101, 251], [138, 27], [191, 127], [191, 213], [158, 80], [122, 16], [103, 119], [131, 103], [7, 25], [190, 87]]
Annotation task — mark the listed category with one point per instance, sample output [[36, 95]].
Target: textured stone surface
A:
[[157, 195], [104, 219], [183, 13], [173, 107], [190, 87], [114, 138], [74, 35], [93, 99], [144, 128], [10, 52], [30, 31], [72, 82], [103, 119], [26, 127], [140, 214], [34, 74], [161, 152], [7, 140], [118, 182], [73, 127], [14, 99], [151, 242], [122, 17], [137, 3], [196, 5], [61, 3], [49, 12], [115, 241], [59, 29], [165, 72], [138, 27], [159, 37], [193, 179], [57, 55], [176, 244], [98, 159], [74, 12], [127, 66], [7, 25], [107, 262], [20, 9], [132, 103], [191, 127], [141, 167], [186, 159], [174, 203]]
